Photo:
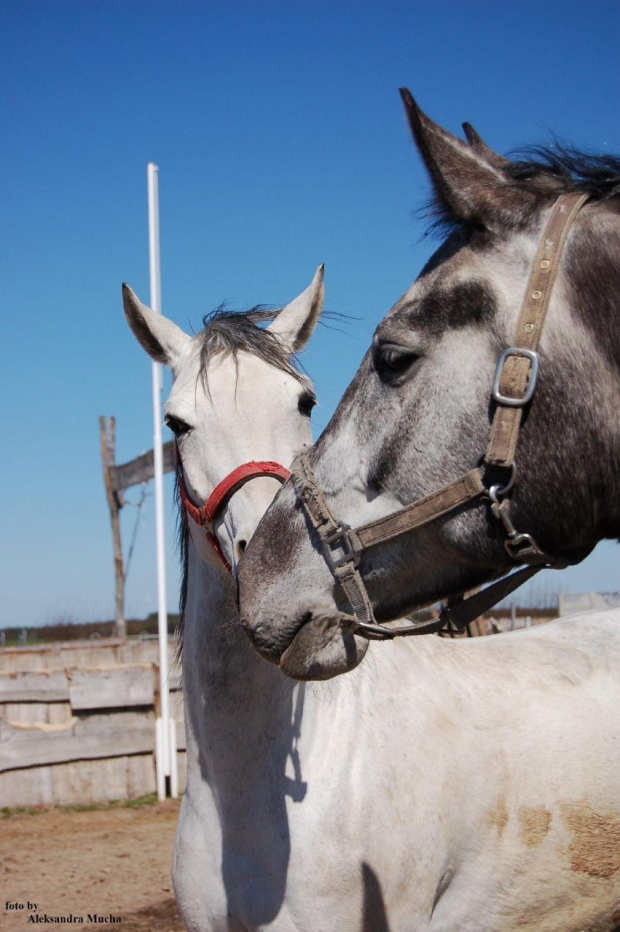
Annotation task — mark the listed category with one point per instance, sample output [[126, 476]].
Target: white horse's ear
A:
[[160, 337], [294, 324]]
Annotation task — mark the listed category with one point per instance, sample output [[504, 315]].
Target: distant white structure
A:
[[573, 603]]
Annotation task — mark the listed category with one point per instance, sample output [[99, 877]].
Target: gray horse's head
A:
[[417, 414]]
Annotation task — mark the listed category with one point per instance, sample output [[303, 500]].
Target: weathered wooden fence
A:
[[77, 722], [118, 478]]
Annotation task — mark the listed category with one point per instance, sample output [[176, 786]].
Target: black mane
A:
[[596, 174], [559, 168], [182, 542]]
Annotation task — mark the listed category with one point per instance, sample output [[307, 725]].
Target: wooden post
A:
[[107, 441]]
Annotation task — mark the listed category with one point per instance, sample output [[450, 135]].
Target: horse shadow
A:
[[374, 915], [264, 868]]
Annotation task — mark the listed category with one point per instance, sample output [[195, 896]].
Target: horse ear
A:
[[160, 337], [469, 185], [295, 323], [477, 143]]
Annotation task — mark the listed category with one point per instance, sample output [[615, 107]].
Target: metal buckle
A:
[[531, 385], [513, 548], [517, 543], [341, 537]]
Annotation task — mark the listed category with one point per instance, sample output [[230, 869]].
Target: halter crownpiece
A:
[[514, 384], [222, 493]]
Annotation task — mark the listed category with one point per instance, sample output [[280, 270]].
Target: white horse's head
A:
[[236, 397]]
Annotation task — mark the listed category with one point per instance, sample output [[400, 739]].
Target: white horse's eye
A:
[[306, 403], [177, 426]]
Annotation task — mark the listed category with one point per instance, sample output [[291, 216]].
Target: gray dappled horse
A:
[[504, 810]]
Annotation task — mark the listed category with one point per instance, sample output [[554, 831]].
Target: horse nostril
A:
[[241, 545]]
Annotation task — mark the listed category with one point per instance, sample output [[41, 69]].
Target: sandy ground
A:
[[111, 862]]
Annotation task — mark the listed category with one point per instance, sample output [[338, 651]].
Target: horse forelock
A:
[[231, 332]]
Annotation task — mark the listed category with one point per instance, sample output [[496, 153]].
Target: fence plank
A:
[[79, 782], [27, 787], [141, 775], [46, 686], [140, 469], [114, 687], [32, 748], [29, 713], [84, 740], [58, 713]]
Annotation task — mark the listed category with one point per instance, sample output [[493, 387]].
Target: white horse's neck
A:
[[243, 721], [242, 713]]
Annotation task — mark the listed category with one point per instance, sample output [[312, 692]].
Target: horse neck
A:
[[250, 726], [594, 278], [227, 686]]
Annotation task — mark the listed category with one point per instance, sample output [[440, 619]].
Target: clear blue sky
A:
[[281, 143]]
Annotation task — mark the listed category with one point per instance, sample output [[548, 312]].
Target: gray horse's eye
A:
[[390, 360]]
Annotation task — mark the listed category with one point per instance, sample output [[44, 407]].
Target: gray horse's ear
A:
[[477, 143], [160, 337], [295, 323], [468, 185]]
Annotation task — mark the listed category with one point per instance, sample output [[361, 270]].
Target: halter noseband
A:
[[221, 494], [514, 384]]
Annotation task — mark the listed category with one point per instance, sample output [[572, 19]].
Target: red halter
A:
[[222, 493]]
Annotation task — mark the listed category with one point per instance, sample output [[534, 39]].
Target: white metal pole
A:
[[160, 775], [174, 760], [162, 614]]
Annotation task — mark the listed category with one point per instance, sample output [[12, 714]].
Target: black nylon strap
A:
[[463, 611]]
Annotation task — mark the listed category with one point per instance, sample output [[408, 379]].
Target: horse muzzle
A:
[[319, 647]]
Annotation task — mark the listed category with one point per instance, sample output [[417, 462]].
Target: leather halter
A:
[[514, 384], [222, 493]]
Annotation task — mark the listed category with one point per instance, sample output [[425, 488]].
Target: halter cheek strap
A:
[[221, 494]]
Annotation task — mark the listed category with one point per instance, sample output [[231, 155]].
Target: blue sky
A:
[[281, 143]]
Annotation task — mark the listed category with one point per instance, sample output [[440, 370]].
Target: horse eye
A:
[[390, 360], [177, 426], [306, 403]]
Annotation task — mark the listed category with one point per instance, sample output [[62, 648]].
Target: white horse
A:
[[416, 788]]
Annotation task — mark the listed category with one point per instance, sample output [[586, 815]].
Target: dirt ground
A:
[[111, 862]]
